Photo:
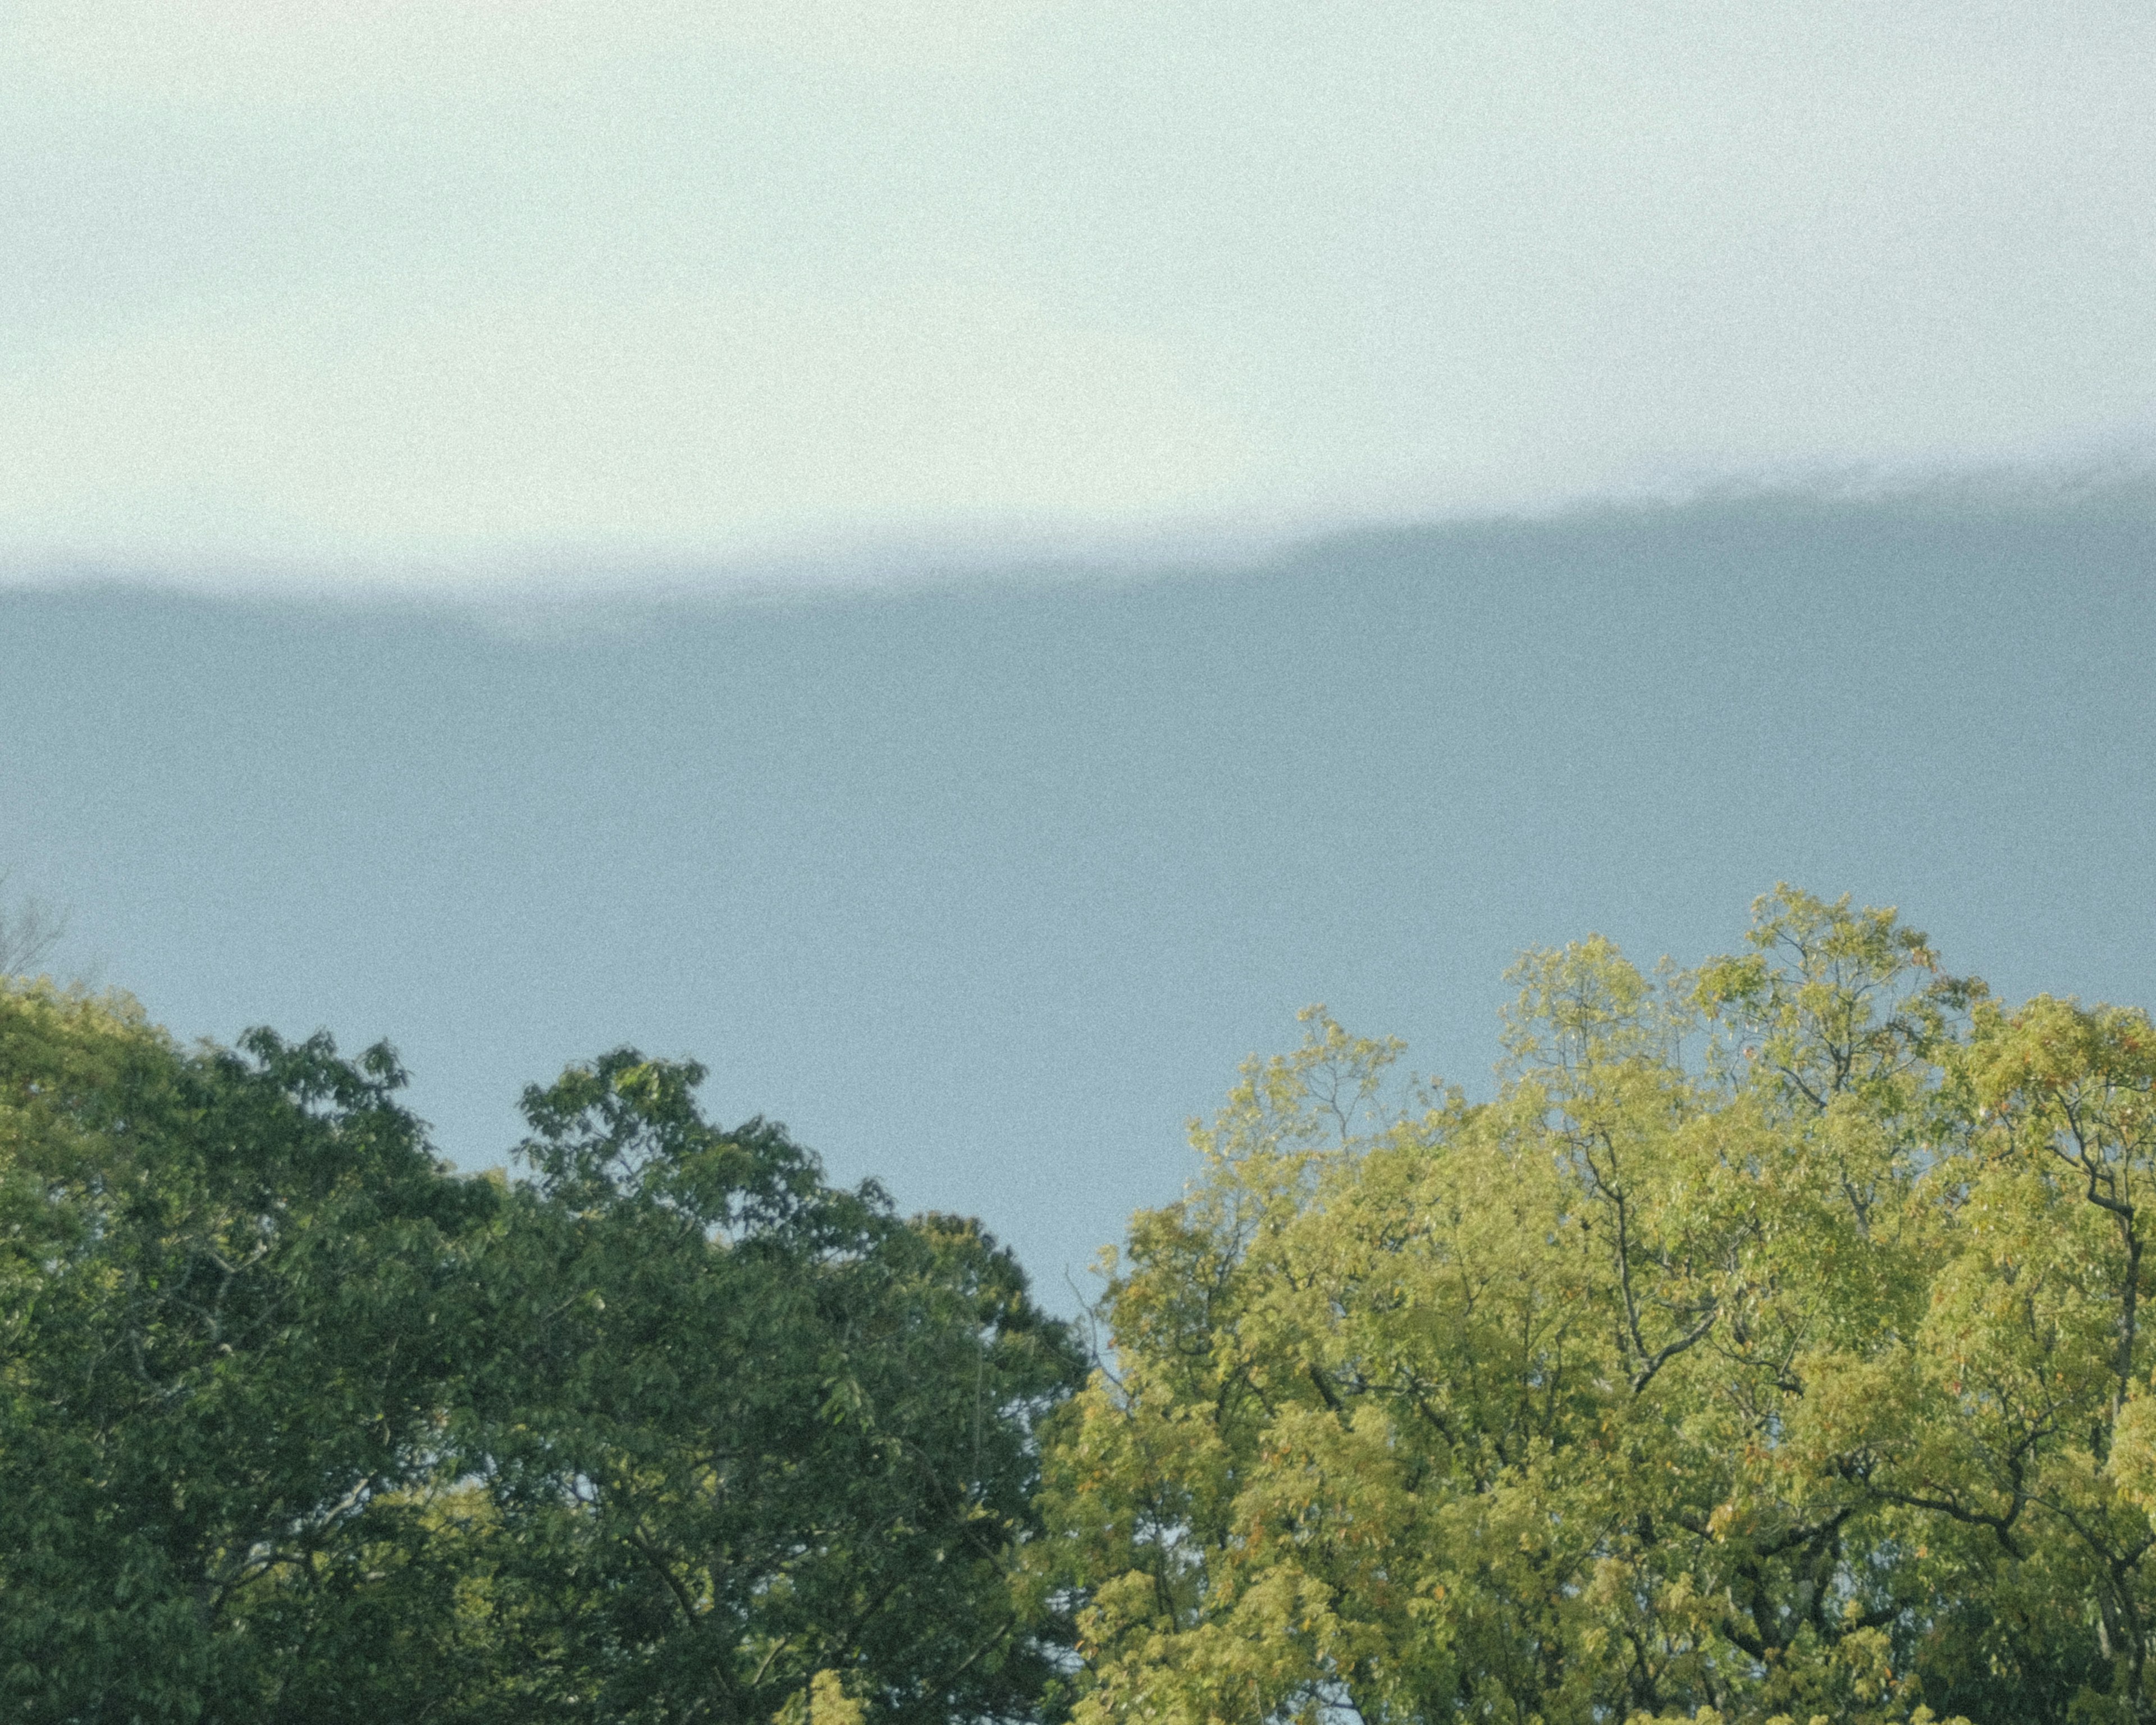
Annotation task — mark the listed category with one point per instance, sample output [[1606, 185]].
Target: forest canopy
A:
[[1767, 1345], [296, 1425], [1772, 1344]]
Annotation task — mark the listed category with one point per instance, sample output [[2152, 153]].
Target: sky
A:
[[960, 561], [985, 887], [447, 291]]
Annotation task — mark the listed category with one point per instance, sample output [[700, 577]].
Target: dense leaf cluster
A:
[[1773, 1347], [296, 1426]]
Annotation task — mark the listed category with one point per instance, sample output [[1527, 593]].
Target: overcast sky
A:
[[451, 288], [1263, 324], [986, 888]]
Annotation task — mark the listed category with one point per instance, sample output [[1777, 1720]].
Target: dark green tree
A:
[[754, 1446], [298, 1425], [225, 1310]]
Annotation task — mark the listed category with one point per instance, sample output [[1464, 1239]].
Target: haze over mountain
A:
[[984, 887], [961, 559]]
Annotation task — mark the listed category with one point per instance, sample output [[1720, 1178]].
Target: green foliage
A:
[[296, 1425], [1769, 1349], [227, 1338], [744, 1434]]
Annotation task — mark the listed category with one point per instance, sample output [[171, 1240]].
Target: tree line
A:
[[1768, 1347]]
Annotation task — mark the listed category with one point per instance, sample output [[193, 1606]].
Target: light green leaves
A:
[[1766, 1349]]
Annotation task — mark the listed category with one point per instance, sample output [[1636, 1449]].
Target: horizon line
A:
[[837, 564]]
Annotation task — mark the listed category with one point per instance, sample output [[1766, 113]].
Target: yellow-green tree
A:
[[1770, 1344]]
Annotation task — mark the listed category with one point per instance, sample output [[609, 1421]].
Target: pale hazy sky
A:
[[481, 285], [985, 888]]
